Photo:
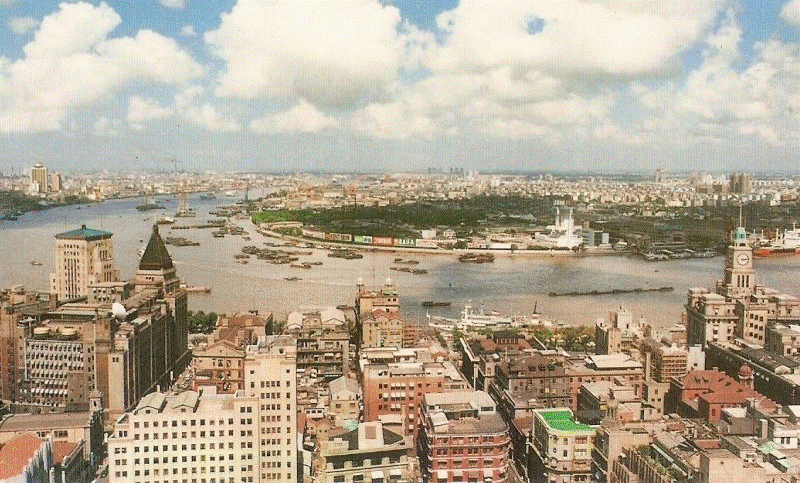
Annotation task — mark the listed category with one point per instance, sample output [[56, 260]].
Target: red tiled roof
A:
[[16, 453], [62, 449]]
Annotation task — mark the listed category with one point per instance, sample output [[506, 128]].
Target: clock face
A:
[[742, 258]]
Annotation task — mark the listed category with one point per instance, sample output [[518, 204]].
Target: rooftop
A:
[[16, 453], [84, 233], [28, 422], [155, 256], [562, 420]]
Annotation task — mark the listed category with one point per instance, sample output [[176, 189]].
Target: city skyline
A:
[[538, 86]]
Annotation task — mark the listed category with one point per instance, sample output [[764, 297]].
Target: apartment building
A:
[[370, 453], [663, 362], [191, 436], [532, 377], [382, 329], [561, 448], [270, 374], [462, 437], [597, 368], [323, 343], [393, 392]]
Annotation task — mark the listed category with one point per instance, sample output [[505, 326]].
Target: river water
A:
[[512, 284]]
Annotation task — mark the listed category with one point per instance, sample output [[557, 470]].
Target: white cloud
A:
[[142, 109], [721, 100], [208, 117], [188, 31], [22, 25], [330, 53], [72, 63], [174, 4], [105, 127], [577, 38], [303, 117], [791, 12], [392, 120]]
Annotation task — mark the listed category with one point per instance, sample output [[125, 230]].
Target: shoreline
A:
[[443, 251]]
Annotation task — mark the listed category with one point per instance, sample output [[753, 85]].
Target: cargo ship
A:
[[783, 243]]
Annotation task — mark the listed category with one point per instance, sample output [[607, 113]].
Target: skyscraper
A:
[[39, 175], [83, 257]]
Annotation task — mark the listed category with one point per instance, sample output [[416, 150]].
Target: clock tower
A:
[[740, 277]]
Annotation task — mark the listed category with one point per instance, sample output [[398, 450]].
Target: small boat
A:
[[36, 263], [197, 289], [291, 279], [432, 303]]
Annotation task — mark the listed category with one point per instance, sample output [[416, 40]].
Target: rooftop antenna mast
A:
[[740, 214]]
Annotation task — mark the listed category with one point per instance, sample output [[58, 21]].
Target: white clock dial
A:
[[743, 258]]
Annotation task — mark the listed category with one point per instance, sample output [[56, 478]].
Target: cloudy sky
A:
[[406, 85]]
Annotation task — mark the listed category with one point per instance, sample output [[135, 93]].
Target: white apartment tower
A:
[[270, 375], [83, 257]]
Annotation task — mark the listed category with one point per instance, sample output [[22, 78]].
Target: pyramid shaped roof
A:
[[156, 256]]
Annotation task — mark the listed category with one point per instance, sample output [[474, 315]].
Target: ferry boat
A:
[[784, 243], [474, 318]]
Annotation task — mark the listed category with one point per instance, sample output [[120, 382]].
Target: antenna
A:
[[740, 214]]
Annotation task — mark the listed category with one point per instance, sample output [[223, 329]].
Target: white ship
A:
[[472, 318]]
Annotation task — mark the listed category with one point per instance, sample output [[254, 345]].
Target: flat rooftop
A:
[[562, 420]]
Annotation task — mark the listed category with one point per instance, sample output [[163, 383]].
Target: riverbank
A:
[[589, 252]]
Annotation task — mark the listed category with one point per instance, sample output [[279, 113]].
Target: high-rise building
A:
[[86, 354], [189, 436], [661, 175], [39, 176], [271, 377], [56, 183], [83, 257], [740, 184]]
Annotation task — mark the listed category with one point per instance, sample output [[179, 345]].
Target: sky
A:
[[405, 85]]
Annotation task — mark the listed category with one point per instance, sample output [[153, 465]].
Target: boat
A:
[[36, 263], [198, 289], [208, 196], [432, 303], [786, 242], [149, 205], [165, 220], [472, 318], [476, 258], [291, 279]]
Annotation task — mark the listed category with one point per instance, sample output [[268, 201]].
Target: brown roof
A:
[[62, 449], [155, 256], [16, 453]]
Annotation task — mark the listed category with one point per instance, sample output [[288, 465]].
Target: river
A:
[[513, 284]]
